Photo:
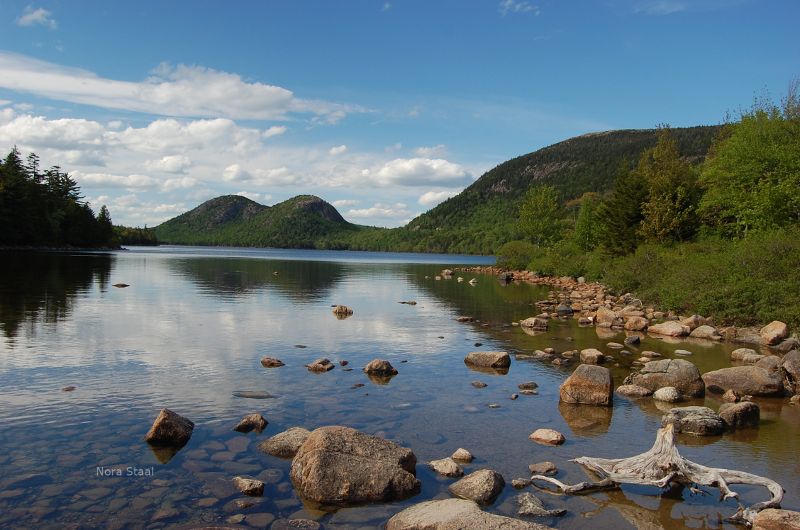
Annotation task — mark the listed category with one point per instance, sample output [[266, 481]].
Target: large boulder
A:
[[746, 380], [678, 373], [774, 519], [589, 384], [454, 514], [606, 318], [340, 466], [488, 359], [742, 414], [693, 322], [169, 429], [746, 356], [701, 421], [774, 332], [791, 368], [705, 332], [285, 444], [670, 328], [636, 324], [482, 486], [592, 356]]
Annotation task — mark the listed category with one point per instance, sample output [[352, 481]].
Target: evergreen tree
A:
[[620, 214]]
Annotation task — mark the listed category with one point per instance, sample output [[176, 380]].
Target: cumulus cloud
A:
[[279, 176], [258, 197], [182, 183], [169, 164], [432, 198], [381, 211], [343, 203], [182, 91], [275, 130], [516, 6], [94, 180], [421, 172], [434, 151], [37, 17], [339, 149], [61, 133]]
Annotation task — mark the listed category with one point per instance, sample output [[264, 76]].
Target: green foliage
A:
[[670, 211], [566, 258], [126, 235], [753, 173], [743, 282], [540, 215], [586, 234], [46, 209], [621, 213], [517, 254]]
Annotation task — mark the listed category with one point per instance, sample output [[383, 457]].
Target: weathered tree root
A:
[[662, 465]]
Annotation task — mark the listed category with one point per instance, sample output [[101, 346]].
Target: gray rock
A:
[[530, 385], [700, 421], [589, 384], [543, 468], [488, 359], [482, 486], [705, 332], [285, 444], [295, 524], [454, 514], [380, 367], [738, 415], [670, 329], [251, 422], [169, 429], [667, 394], [535, 323], [592, 356], [791, 369], [746, 380], [774, 519], [447, 467], [634, 391], [249, 486], [340, 466], [678, 373], [547, 437], [462, 455], [531, 505]]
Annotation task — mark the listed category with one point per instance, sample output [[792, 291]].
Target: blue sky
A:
[[383, 108]]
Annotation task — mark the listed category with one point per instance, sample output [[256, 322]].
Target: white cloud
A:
[[279, 176], [181, 183], [37, 17], [339, 149], [434, 151], [275, 130], [258, 197], [185, 91], [94, 180], [169, 164], [343, 203], [421, 172], [516, 6], [62, 133], [432, 198], [381, 211]]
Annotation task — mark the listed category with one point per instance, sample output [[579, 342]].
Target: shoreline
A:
[[594, 304]]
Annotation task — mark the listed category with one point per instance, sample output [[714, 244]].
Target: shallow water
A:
[[189, 331]]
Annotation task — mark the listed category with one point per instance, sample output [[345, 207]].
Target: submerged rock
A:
[[482, 486], [535, 323], [447, 467], [169, 429], [271, 362], [380, 367], [701, 421], [454, 514], [251, 422], [531, 505], [285, 444], [543, 468], [249, 486], [746, 380], [488, 359], [340, 466]]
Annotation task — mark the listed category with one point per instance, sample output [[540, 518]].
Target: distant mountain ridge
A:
[[476, 221]]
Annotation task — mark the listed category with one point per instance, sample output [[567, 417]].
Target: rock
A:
[[543, 468], [589, 384], [636, 324], [295, 524], [169, 429], [530, 504], [121, 285], [547, 437], [605, 317], [705, 332], [462, 455], [514, 396], [731, 396], [340, 466], [69, 388], [380, 367], [635, 391], [633, 340], [770, 363], [774, 332], [693, 322], [520, 483], [591, 356], [670, 329], [700, 421], [320, 365], [479, 384], [745, 355], [410, 302], [536, 323], [678, 373], [737, 415], [251, 422], [488, 359], [795, 400], [447, 467], [773, 519], [252, 394], [615, 345], [667, 394], [792, 343], [271, 362], [650, 354], [249, 486], [447, 272], [744, 380], [482, 486], [683, 352], [342, 310], [791, 368], [285, 444], [454, 514], [464, 319]]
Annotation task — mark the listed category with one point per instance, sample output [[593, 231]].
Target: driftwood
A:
[[662, 465]]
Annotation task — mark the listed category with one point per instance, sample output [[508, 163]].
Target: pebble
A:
[[514, 396], [683, 352], [479, 384]]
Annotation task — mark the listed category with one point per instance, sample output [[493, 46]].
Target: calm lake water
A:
[[190, 330]]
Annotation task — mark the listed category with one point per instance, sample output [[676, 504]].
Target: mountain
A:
[[476, 221], [305, 221]]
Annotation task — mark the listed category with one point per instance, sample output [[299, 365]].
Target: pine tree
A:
[[620, 214]]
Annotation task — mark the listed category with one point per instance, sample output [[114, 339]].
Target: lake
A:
[[189, 332]]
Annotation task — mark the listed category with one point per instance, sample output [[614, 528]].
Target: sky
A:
[[383, 108]]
